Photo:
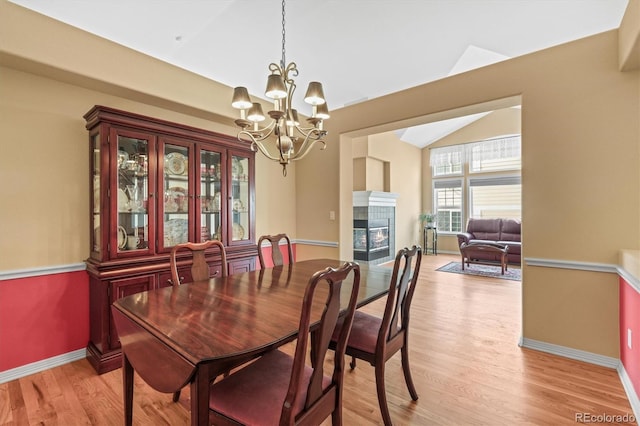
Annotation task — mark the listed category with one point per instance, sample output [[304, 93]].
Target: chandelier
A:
[[283, 139]]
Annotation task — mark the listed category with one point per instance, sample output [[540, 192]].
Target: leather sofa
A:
[[494, 231]]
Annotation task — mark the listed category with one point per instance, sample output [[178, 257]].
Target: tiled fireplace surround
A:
[[376, 205]]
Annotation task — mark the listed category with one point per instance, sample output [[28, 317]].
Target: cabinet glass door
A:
[[239, 198], [96, 237], [132, 194], [210, 196], [177, 195]]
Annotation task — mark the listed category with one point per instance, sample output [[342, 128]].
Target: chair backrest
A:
[[276, 254], [403, 283], [199, 265], [322, 399]]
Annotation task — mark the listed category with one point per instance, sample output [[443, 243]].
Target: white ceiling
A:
[[358, 49]]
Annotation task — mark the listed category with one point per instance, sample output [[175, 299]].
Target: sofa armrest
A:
[[464, 237]]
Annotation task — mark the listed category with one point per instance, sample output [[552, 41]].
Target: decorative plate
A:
[[238, 205], [238, 231], [123, 201], [176, 231], [122, 238], [175, 163]]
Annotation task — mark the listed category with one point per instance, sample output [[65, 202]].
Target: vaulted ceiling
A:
[[358, 49]]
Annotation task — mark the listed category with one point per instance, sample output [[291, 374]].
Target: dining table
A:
[[192, 333]]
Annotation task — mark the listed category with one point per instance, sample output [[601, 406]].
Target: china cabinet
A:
[[155, 184]]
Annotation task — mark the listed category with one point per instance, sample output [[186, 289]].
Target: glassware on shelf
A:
[[136, 201]]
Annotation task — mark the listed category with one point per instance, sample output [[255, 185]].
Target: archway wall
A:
[[580, 174]]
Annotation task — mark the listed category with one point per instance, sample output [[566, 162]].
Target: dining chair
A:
[[282, 389], [199, 266], [276, 254], [375, 339]]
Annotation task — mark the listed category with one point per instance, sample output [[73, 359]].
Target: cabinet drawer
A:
[[243, 265], [164, 278]]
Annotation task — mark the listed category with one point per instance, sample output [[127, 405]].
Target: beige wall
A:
[[580, 138], [46, 86], [359, 174], [404, 179], [581, 162], [629, 36]]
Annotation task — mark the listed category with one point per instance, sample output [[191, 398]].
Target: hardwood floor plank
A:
[[465, 360]]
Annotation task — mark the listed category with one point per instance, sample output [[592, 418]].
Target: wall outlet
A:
[[629, 339], [332, 215]]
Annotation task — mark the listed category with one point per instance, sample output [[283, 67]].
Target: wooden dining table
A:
[[192, 333]]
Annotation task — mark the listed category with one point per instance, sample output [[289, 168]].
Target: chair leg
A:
[[176, 396], [407, 372], [353, 362], [336, 415], [382, 395]]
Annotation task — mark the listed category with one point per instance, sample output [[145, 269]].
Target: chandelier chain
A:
[[283, 61]]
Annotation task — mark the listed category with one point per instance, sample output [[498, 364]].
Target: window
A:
[[447, 196], [494, 197], [495, 154], [477, 165], [448, 160]]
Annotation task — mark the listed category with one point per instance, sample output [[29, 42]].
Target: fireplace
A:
[[374, 226], [370, 239]]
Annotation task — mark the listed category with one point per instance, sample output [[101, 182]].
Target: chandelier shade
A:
[[255, 114], [283, 138], [276, 88], [315, 94], [241, 99]]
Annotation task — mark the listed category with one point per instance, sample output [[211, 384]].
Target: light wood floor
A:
[[466, 364]]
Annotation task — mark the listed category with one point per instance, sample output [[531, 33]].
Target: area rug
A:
[[513, 274]]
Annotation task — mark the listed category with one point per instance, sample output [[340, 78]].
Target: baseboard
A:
[[577, 354], [45, 364], [628, 388]]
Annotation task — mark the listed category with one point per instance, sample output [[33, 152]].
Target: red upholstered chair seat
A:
[[375, 340], [263, 386], [364, 332], [279, 389]]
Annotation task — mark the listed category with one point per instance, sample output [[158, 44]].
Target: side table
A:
[[430, 236]]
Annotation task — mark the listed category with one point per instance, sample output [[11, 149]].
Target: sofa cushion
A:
[[510, 231], [515, 247], [484, 229]]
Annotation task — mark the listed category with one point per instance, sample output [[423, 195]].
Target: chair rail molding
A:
[[572, 264], [44, 270], [316, 243]]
